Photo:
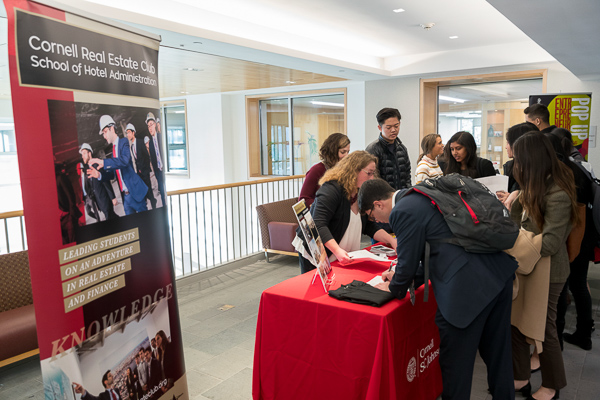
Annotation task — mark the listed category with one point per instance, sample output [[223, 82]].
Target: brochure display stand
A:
[[315, 246]]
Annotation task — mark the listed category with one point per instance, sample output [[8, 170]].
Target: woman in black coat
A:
[[335, 211], [460, 156]]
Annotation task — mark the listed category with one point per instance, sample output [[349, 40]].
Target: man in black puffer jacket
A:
[[394, 164]]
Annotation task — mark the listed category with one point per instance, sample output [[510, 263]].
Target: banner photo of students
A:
[[569, 111], [89, 139]]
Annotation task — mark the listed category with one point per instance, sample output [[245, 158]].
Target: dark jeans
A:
[[150, 194], [577, 283], [305, 265]]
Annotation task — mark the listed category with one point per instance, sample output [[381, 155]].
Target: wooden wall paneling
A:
[[253, 133], [429, 109]]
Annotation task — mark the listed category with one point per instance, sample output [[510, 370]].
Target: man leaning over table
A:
[[473, 291]]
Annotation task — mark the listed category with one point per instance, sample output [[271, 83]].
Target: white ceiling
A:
[[359, 35], [365, 40], [568, 30]]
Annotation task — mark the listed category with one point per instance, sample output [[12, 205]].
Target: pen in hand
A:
[[387, 276]]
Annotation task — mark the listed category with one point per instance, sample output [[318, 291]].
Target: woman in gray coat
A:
[[545, 205]]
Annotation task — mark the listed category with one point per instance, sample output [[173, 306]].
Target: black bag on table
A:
[[361, 293]]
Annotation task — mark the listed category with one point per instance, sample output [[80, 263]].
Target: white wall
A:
[[205, 141], [400, 93]]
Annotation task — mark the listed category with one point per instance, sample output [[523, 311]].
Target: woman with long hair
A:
[[546, 205], [427, 166], [335, 211], [577, 281], [165, 358], [130, 381], [333, 149], [460, 156]]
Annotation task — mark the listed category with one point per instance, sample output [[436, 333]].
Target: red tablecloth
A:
[[312, 346]]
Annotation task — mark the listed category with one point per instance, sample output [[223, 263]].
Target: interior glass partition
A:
[[292, 130], [486, 110]]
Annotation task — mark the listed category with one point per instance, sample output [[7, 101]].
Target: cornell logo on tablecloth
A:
[[411, 370]]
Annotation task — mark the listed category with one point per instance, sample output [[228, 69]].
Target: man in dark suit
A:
[[133, 189], [109, 393], [155, 156], [473, 290], [154, 374], [98, 195], [141, 160]]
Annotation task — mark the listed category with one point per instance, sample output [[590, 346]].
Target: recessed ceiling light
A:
[[327, 103], [446, 98], [184, 92], [290, 82], [399, 10], [453, 37]]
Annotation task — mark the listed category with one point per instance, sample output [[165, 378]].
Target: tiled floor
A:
[[219, 339]]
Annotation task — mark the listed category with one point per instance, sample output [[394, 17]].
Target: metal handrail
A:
[[19, 213], [237, 184], [209, 225]]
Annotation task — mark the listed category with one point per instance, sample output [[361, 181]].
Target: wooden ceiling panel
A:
[[216, 74]]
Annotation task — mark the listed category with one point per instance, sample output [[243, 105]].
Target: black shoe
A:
[[578, 339], [525, 390], [556, 396]]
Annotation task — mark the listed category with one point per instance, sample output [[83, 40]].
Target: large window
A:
[[7, 137], [293, 128], [486, 110], [174, 114]]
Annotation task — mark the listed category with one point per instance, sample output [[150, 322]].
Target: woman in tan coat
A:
[[545, 205]]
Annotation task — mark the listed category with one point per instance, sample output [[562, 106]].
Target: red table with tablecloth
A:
[[312, 346]]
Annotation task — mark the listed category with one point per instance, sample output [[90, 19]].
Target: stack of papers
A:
[[367, 254]]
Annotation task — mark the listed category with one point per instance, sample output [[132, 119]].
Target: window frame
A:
[[428, 105], [254, 149], [163, 106]]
